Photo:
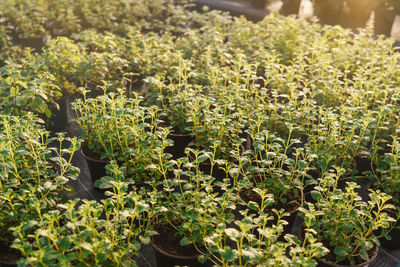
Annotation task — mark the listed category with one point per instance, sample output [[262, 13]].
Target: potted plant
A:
[[277, 166], [23, 91], [385, 13], [34, 176], [190, 209], [344, 223], [259, 239], [387, 178], [176, 106], [90, 233], [115, 127]]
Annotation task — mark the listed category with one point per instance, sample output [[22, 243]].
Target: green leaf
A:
[[48, 112], [144, 240], [64, 243], [9, 80], [202, 258], [363, 254], [101, 257], [186, 241], [39, 105], [340, 251], [202, 158], [233, 233], [23, 84], [227, 254], [14, 91], [302, 165]]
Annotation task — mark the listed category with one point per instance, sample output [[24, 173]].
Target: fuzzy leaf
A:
[[64, 243], [227, 254], [186, 241]]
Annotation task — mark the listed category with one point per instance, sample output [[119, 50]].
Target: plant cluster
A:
[[281, 113], [34, 175], [109, 233], [345, 222]]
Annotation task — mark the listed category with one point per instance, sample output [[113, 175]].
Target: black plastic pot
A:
[[60, 117], [4, 250], [290, 7], [326, 14], [7, 264], [164, 259], [167, 243], [97, 167], [394, 243], [384, 19], [259, 4], [322, 263], [363, 164], [252, 14], [181, 141]]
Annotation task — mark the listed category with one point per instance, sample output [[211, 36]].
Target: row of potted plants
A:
[[34, 175], [274, 118], [150, 60], [272, 164]]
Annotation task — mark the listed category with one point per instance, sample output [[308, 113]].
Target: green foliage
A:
[[36, 19], [274, 106], [110, 233], [33, 175], [259, 239], [119, 128], [343, 222], [22, 91]]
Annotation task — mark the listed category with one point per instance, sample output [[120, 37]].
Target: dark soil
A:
[[89, 153], [8, 254], [168, 241], [331, 257]]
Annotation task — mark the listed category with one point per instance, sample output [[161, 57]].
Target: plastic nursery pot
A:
[[7, 264], [8, 257], [326, 14], [260, 4], [363, 164], [323, 263], [384, 19], [290, 7], [169, 253], [60, 117], [181, 141], [394, 243], [97, 166]]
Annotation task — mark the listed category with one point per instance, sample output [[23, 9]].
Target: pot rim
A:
[[364, 264], [92, 159], [160, 250], [8, 263]]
